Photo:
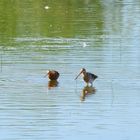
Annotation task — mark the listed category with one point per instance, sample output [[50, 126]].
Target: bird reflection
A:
[[52, 84], [87, 90]]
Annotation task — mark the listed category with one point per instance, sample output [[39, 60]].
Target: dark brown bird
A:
[[87, 77], [52, 74]]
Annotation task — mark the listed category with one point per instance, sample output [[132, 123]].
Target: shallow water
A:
[[102, 37]]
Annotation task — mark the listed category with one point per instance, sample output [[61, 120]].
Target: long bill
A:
[[46, 73], [78, 75]]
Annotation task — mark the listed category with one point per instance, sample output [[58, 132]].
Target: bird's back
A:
[[53, 75], [94, 76], [89, 77]]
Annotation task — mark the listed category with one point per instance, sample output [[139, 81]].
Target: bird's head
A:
[[83, 70], [47, 72]]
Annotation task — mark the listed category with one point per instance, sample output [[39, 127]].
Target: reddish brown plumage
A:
[[53, 75]]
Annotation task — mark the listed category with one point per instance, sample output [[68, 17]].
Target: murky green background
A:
[[102, 36]]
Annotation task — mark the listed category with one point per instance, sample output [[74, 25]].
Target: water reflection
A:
[[99, 35], [52, 84], [59, 18], [87, 90]]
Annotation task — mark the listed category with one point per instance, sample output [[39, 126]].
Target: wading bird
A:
[[88, 77], [52, 74]]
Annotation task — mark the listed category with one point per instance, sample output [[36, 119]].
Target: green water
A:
[[102, 36], [63, 18]]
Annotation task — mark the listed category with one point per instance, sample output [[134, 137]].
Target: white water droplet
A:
[[47, 7]]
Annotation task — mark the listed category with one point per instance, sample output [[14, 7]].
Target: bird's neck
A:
[[84, 73]]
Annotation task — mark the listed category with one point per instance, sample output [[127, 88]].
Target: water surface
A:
[[101, 36]]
